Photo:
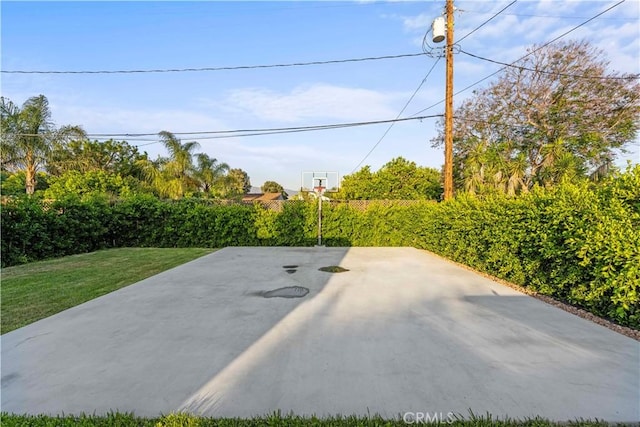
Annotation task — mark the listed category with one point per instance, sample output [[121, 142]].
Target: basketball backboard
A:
[[330, 180]]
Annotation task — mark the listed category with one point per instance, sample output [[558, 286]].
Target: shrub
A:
[[576, 242]]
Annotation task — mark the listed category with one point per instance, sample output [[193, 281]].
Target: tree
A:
[[210, 173], [13, 183], [273, 187], [110, 156], [557, 115], [236, 183], [358, 186], [28, 135], [399, 179], [92, 183], [172, 176]]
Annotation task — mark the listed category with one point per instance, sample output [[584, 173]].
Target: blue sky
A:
[[159, 35]]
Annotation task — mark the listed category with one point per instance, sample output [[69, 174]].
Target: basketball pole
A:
[[320, 218], [448, 108]]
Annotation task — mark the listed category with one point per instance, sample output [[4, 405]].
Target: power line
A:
[[467, 35], [550, 16], [577, 76], [429, 50], [398, 116], [252, 132], [306, 129], [487, 121], [280, 131], [423, 81], [528, 54], [230, 68], [488, 20], [258, 130]]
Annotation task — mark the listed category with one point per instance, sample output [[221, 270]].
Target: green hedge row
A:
[[32, 230], [574, 243], [577, 242]]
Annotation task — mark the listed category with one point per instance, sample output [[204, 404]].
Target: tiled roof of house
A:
[[261, 197]]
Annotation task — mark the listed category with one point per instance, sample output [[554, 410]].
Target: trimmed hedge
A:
[[576, 242]]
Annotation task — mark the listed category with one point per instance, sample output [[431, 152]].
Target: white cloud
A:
[[535, 29], [472, 69], [270, 154], [281, 157], [96, 120], [558, 7], [420, 22], [318, 101], [621, 45], [117, 119]]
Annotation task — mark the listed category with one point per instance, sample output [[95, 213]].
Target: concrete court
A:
[[402, 331]]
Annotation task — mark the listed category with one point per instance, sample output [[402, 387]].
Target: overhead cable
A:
[[398, 116], [526, 15], [528, 54], [251, 132], [230, 68], [577, 76], [487, 21], [266, 132]]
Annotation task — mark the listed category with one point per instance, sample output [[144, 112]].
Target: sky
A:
[[101, 35]]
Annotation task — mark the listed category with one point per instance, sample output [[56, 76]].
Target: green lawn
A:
[[37, 290], [184, 420]]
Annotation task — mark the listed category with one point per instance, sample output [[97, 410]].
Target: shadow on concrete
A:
[[365, 345], [402, 331], [146, 347]]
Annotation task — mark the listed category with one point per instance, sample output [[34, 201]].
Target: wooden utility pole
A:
[[448, 108]]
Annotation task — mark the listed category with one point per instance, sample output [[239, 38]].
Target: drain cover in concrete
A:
[[333, 269], [286, 292]]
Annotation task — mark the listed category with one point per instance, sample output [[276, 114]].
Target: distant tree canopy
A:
[[186, 173], [399, 179], [211, 174], [84, 156], [558, 114], [236, 183], [14, 183], [94, 183], [273, 187], [60, 162], [172, 176]]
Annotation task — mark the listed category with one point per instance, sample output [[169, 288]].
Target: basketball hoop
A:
[[317, 182]]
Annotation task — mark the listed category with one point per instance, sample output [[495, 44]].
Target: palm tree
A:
[[517, 172], [180, 155], [28, 135], [559, 164], [474, 167], [209, 172], [173, 176], [496, 174]]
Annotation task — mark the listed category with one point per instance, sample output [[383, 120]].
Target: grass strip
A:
[[276, 419], [40, 289]]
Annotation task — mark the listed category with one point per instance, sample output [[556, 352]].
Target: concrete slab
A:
[[402, 331]]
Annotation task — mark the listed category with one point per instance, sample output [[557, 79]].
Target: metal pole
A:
[[319, 218], [448, 112]]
